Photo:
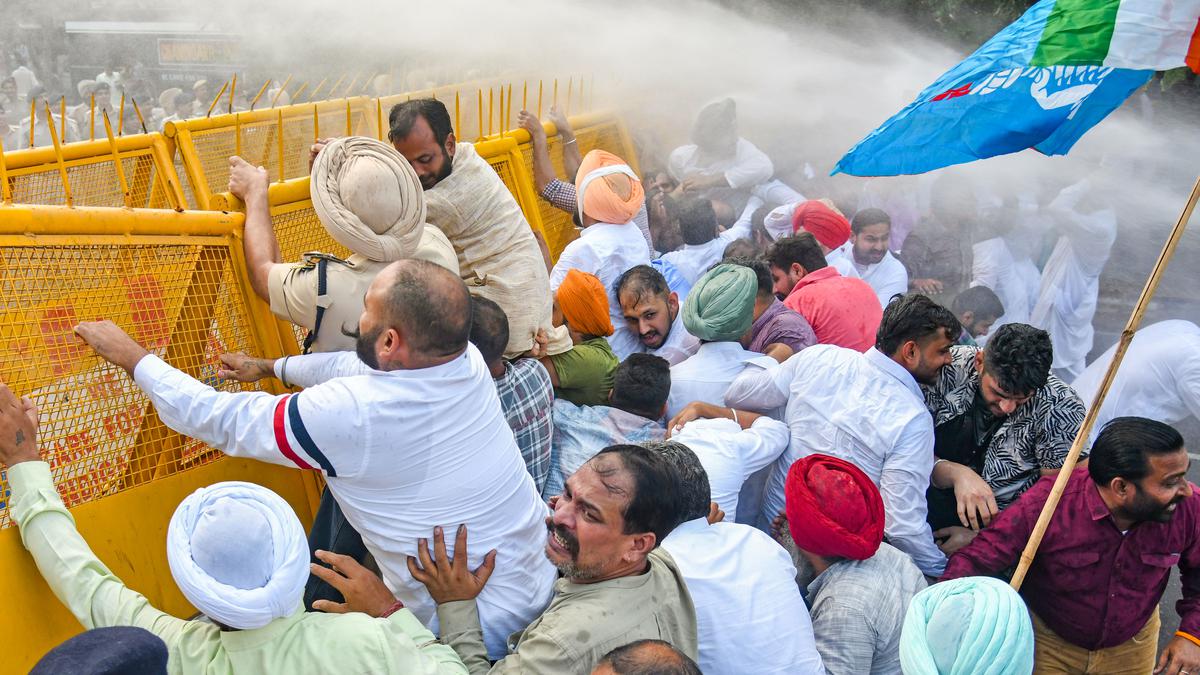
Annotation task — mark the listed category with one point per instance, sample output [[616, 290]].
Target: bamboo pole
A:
[[1089, 420], [211, 106], [232, 89], [4, 186], [282, 88], [120, 168], [121, 116], [262, 90], [138, 111], [62, 166]]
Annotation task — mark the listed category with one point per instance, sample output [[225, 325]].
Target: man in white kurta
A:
[[994, 267], [693, 260], [1071, 278], [864, 408], [718, 163], [1159, 378], [403, 449], [750, 617], [871, 232]]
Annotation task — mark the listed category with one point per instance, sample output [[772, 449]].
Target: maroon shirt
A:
[[778, 324], [1093, 586]]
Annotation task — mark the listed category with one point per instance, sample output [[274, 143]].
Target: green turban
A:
[[720, 307], [967, 626]]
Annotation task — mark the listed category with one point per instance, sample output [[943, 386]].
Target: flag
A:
[[1040, 83]]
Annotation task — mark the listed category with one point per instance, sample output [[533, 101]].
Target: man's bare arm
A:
[[543, 170], [250, 184], [571, 155]]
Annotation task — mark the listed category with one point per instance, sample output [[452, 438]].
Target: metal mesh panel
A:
[[98, 432], [93, 182], [299, 231], [259, 143]]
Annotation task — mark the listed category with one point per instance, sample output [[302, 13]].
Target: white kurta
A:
[[731, 454], [403, 451], [887, 278], [1071, 279], [995, 268], [1159, 378], [750, 616], [707, 374], [693, 260], [865, 409], [746, 168]]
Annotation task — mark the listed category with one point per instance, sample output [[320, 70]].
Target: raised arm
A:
[[543, 170], [250, 184], [572, 158]]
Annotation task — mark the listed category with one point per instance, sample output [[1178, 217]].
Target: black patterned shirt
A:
[[1036, 436]]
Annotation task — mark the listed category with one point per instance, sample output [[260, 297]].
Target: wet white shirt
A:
[[750, 616], [731, 454], [693, 260], [863, 408], [887, 278], [679, 345], [1159, 378], [707, 374], [403, 451]]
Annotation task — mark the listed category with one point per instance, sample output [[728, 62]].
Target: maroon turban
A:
[[827, 225], [833, 509]]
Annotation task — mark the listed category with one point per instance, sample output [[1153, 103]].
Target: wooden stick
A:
[[1085, 430]]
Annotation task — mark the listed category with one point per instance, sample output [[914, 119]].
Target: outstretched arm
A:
[[571, 155], [543, 170], [250, 184]]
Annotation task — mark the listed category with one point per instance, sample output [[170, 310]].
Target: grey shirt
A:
[[583, 623], [857, 609]]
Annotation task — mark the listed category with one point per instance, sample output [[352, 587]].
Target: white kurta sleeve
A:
[[902, 485], [751, 167], [311, 369], [577, 255], [761, 444], [294, 430], [760, 389]]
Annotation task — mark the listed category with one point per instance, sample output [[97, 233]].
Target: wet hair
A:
[[432, 306], [867, 218], [914, 317], [980, 301], [694, 489], [489, 329], [641, 385], [404, 115], [655, 505], [800, 248], [697, 221], [1125, 445], [649, 657], [1019, 357], [762, 274], [741, 248], [642, 280]]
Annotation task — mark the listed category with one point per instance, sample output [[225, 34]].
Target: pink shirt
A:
[[842, 311]]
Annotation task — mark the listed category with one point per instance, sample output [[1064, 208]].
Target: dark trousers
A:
[[331, 532]]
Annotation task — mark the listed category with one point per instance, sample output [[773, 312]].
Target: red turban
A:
[[584, 303], [833, 509], [826, 224]]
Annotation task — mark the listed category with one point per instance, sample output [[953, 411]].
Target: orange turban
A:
[[584, 303], [608, 189]]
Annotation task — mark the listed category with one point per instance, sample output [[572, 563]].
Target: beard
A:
[[428, 182], [364, 345], [570, 569], [1145, 509]]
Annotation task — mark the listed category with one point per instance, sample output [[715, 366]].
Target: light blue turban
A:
[[968, 626], [720, 307]]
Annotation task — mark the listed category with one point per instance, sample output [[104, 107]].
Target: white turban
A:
[[239, 554], [369, 198]]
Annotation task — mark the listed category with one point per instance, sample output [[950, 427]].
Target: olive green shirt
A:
[[585, 372], [583, 623]]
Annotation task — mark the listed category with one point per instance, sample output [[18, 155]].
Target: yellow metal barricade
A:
[[177, 283], [146, 171], [275, 138]]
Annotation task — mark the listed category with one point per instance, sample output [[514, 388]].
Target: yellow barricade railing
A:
[[177, 283], [144, 177]]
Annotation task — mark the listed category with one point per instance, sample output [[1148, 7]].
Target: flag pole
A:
[[1085, 430]]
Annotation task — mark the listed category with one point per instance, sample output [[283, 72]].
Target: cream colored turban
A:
[[369, 198]]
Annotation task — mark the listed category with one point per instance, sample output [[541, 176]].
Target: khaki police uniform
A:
[[295, 289]]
